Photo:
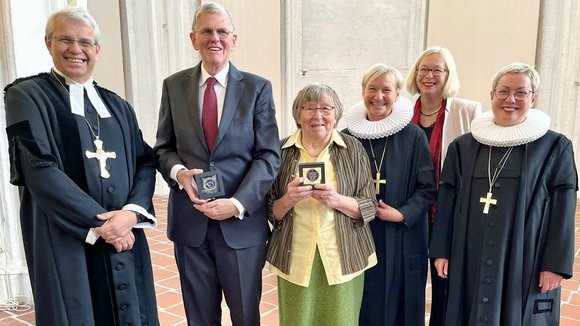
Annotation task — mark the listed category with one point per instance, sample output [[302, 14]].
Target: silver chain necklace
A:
[[100, 154]]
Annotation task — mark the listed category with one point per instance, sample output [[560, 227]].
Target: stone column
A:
[[558, 58]]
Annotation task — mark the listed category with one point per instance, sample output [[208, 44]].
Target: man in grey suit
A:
[[219, 243]]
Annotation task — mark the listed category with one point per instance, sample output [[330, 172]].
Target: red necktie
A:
[[209, 119]]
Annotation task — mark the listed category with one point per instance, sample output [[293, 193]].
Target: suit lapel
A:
[[191, 91], [234, 91]]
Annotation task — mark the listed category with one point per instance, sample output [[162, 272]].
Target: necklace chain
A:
[[378, 167], [430, 114], [498, 168], [87, 121]]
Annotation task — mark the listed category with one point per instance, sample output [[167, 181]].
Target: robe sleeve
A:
[[35, 167], [424, 190], [446, 201], [558, 255], [143, 185]]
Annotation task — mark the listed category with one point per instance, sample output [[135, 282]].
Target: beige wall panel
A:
[[484, 36], [334, 42]]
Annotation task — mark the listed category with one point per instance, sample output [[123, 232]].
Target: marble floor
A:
[[170, 305]]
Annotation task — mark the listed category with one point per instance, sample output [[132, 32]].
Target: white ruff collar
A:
[[360, 127], [485, 131]]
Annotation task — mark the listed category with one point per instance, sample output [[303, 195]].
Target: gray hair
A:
[[451, 87], [215, 8], [518, 67], [75, 14], [315, 92]]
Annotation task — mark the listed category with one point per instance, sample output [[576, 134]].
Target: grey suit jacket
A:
[[246, 152]]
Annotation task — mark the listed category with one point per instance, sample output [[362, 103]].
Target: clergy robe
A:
[[495, 259], [61, 194], [394, 292]]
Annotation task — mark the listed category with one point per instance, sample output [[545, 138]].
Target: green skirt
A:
[[320, 304]]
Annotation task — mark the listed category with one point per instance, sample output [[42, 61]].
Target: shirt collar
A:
[[221, 76], [77, 96], [296, 139]]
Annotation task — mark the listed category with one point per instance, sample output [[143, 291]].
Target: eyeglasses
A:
[[83, 43], [437, 72], [208, 32], [519, 94], [310, 110]]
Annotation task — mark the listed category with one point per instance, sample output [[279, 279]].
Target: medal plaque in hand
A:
[[313, 173], [209, 184]]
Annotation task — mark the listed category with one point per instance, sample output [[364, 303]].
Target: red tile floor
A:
[[169, 296]]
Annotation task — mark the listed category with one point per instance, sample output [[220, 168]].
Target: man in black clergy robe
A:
[[86, 181], [504, 233]]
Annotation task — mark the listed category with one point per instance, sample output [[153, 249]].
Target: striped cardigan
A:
[[353, 175]]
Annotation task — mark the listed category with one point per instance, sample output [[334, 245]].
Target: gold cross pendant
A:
[[488, 201], [378, 182]]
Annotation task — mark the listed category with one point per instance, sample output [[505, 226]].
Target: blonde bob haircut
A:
[[451, 87], [379, 69]]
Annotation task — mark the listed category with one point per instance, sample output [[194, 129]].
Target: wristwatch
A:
[[140, 218]]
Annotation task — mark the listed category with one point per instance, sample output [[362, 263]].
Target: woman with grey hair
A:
[[394, 292], [320, 206], [504, 233]]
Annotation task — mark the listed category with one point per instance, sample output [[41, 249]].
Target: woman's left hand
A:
[[325, 194]]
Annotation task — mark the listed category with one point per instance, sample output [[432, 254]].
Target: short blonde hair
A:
[[379, 69], [451, 87], [518, 67]]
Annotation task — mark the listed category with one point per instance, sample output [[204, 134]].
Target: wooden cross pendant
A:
[[102, 157], [378, 182], [488, 201]]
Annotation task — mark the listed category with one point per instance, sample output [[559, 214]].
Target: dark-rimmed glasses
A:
[[437, 72], [520, 94]]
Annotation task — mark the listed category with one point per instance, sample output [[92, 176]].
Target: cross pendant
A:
[[378, 182], [488, 201], [102, 157]]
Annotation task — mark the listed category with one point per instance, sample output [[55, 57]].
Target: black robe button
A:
[[110, 189], [489, 262], [483, 319], [122, 286], [124, 307], [484, 300], [120, 267], [497, 185], [490, 243], [487, 281]]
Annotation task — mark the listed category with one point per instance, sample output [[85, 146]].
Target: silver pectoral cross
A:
[[488, 201], [101, 156], [378, 182]]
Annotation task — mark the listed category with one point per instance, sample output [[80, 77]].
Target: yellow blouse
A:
[[314, 226]]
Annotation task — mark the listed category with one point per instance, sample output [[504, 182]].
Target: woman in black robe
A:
[[504, 233], [394, 292]]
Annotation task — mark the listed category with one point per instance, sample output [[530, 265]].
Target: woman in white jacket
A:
[[442, 117]]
